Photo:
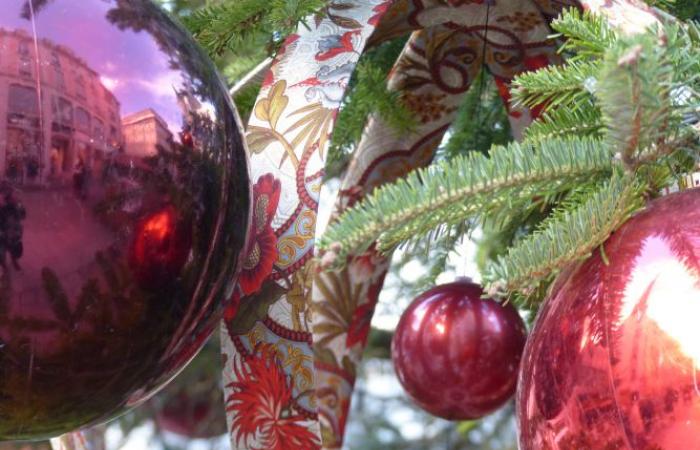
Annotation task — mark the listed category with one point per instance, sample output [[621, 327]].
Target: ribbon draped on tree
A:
[[293, 336]]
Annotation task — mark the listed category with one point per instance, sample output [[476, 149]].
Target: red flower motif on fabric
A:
[[262, 405], [366, 264], [380, 9], [262, 247], [360, 325], [269, 79], [334, 45], [343, 419], [358, 331], [233, 305]]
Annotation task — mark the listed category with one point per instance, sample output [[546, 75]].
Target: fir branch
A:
[[372, 96], [220, 26], [588, 36], [481, 121], [369, 96], [560, 122], [229, 25], [566, 236], [556, 85], [451, 192], [633, 93], [683, 48]]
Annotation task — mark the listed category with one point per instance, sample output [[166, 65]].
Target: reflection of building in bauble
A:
[[77, 120], [143, 132]]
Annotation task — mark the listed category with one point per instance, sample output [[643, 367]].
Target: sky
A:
[[130, 64]]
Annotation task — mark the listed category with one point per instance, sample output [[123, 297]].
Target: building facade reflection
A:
[[143, 132], [54, 113], [124, 208]]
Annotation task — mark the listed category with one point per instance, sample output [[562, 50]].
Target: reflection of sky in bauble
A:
[[670, 288], [130, 64]]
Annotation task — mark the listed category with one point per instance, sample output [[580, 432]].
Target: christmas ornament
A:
[[124, 206], [457, 354], [612, 361], [192, 405], [199, 417]]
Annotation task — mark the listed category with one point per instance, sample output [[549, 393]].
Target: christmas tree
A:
[[615, 109]]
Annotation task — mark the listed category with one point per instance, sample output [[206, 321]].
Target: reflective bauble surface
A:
[[124, 206], [612, 362], [457, 354]]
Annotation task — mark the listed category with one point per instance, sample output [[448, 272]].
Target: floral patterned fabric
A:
[[269, 374]]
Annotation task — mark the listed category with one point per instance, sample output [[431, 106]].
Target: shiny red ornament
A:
[[124, 207], [195, 417], [192, 405], [613, 359], [457, 354]]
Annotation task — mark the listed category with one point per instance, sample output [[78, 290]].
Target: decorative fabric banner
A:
[[628, 16], [268, 373], [344, 301]]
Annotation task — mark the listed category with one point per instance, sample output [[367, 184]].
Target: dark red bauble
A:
[[124, 208], [613, 359], [192, 405], [193, 417], [457, 354]]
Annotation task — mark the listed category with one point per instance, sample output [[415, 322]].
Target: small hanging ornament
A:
[[192, 405], [457, 354], [613, 359]]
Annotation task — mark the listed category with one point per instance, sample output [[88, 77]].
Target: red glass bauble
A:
[[124, 208], [457, 354], [193, 417], [613, 359], [192, 405]]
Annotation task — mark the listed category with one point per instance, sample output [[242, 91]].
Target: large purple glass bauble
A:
[[124, 206], [613, 359], [457, 354]]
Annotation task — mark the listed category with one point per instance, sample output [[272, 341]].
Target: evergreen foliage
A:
[[481, 121], [367, 96], [565, 236], [243, 24], [617, 129]]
